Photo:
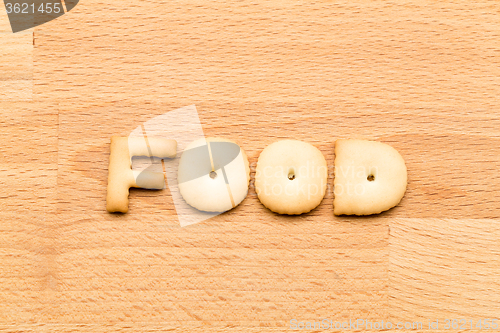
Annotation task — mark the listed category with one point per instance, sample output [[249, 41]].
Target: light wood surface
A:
[[422, 76]]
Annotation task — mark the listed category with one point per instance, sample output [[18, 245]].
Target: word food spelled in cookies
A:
[[291, 175], [120, 174]]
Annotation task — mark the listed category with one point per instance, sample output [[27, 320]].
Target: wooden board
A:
[[421, 76]]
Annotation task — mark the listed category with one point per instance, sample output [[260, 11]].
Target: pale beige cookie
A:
[[213, 175], [291, 177], [370, 177], [120, 174]]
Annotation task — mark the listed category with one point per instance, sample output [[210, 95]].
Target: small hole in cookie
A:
[[370, 178], [213, 174]]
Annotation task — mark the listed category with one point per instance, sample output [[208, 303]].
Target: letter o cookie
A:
[[291, 177], [370, 177], [214, 175]]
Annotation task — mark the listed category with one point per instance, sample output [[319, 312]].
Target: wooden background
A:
[[422, 76]]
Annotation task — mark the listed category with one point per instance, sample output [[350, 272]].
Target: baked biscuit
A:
[[370, 177], [291, 177], [120, 174], [213, 175]]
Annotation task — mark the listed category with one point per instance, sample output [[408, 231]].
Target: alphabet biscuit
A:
[[370, 177], [120, 175], [213, 175], [291, 177]]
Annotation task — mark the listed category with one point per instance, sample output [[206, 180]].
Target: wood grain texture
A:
[[16, 68], [28, 169], [444, 268], [16, 65], [421, 76]]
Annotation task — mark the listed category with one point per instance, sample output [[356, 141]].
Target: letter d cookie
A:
[[370, 177]]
